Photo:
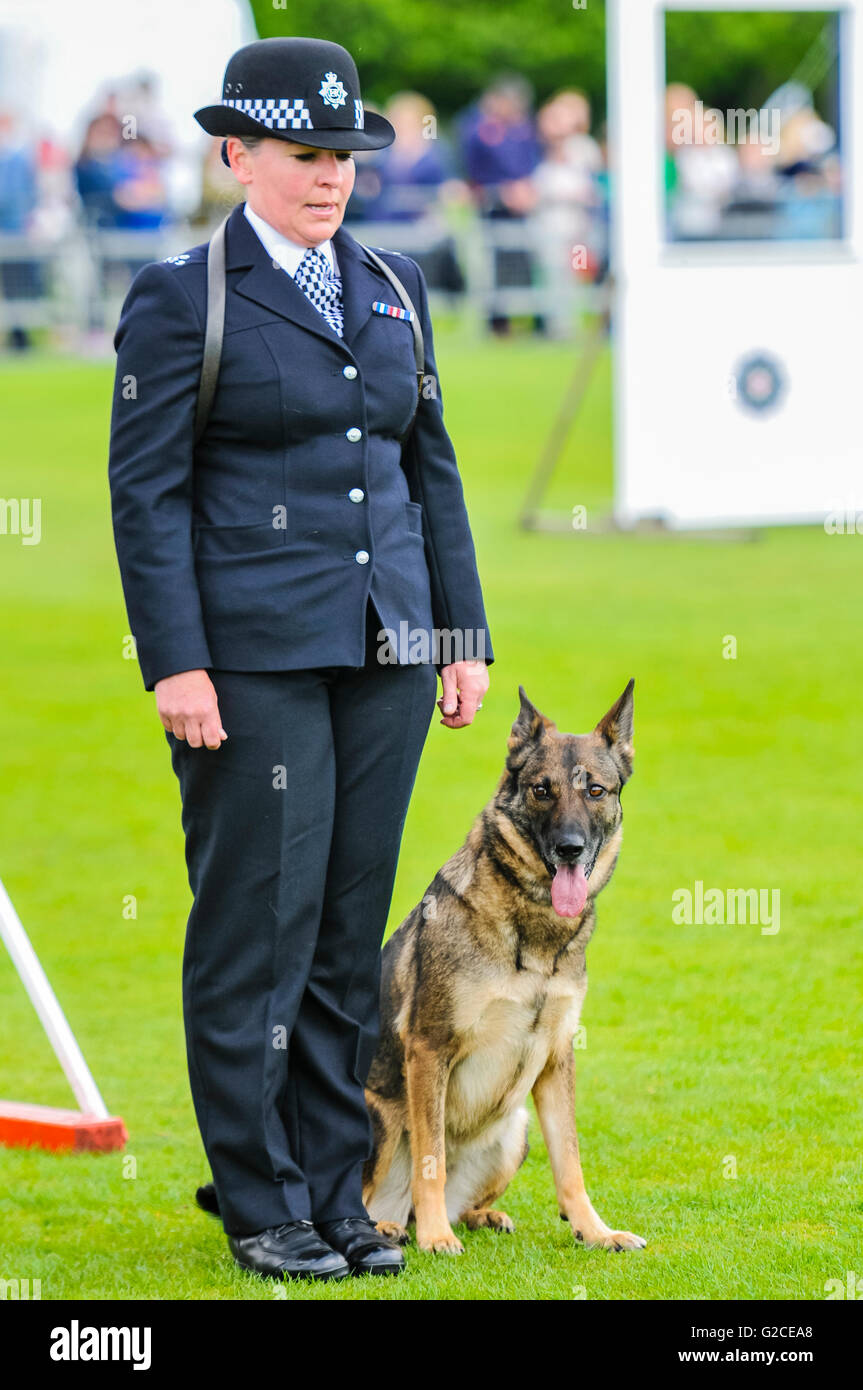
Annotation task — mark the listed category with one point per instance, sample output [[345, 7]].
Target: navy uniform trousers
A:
[[292, 832]]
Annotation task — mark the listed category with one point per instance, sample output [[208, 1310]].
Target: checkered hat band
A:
[[277, 113]]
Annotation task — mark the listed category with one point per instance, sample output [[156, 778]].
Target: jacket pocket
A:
[[415, 517], [243, 539]]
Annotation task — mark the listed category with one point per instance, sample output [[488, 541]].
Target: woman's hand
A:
[[464, 684], [189, 708]]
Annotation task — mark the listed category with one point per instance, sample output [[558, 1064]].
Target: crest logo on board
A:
[[760, 382]]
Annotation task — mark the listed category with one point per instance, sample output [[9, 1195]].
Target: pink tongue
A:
[[569, 890]]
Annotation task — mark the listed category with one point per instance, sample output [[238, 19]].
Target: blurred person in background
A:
[[700, 173], [500, 151], [368, 184], [414, 169], [412, 178], [139, 194], [96, 176], [602, 212], [119, 175], [19, 279], [807, 166], [500, 147], [142, 102], [219, 189], [97, 171], [174, 167], [757, 188], [567, 194]]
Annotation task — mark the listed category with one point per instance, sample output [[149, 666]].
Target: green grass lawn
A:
[[710, 1049]]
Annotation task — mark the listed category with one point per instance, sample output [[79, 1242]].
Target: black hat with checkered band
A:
[[304, 90]]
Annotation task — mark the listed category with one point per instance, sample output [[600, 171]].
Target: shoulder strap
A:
[[215, 329], [419, 346]]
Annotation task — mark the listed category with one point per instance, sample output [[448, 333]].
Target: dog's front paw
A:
[[440, 1241], [602, 1237], [487, 1216], [394, 1231]]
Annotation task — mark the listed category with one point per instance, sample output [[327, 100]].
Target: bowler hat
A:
[[304, 90]]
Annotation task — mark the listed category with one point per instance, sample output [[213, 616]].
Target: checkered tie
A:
[[318, 283]]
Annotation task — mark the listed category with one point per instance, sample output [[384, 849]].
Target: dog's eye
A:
[[596, 791], [540, 791]]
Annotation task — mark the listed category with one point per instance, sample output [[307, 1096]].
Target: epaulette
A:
[[387, 252], [196, 254]]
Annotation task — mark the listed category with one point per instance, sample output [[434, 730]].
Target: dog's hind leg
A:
[[486, 1169], [386, 1180]]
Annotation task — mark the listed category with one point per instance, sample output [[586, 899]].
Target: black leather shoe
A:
[[294, 1248], [363, 1246]]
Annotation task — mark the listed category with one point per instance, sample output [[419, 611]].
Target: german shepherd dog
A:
[[481, 991]]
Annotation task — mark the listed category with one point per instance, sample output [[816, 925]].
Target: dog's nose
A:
[[571, 849]]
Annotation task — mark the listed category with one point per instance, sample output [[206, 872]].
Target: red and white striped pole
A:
[[24, 1125]]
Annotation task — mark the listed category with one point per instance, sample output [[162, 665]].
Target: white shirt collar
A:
[[285, 253]]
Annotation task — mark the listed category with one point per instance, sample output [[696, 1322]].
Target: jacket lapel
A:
[[265, 282], [271, 287], [362, 283]]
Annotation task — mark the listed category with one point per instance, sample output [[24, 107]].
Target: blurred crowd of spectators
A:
[[114, 179], [509, 165], [776, 174], [538, 176], [498, 160]]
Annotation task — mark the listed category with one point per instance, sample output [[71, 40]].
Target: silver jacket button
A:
[[354, 434], [362, 557], [356, 494], [349, 371]]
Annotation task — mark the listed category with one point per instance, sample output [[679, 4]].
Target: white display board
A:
[[738, 362]]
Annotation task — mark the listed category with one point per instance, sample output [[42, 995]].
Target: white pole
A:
[[44, 1000]]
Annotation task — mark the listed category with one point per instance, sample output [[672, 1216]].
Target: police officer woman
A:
[[259, 568]]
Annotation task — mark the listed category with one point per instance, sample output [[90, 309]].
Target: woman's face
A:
[[300, 191]]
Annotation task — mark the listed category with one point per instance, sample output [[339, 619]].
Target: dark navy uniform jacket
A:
[[257, 550]]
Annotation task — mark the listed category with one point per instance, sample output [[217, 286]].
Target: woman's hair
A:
[[249, 142]]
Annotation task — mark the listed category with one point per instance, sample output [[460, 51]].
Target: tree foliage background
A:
[[450, 51]]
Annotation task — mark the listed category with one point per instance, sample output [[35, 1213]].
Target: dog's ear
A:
[[615, 728], [529, 723]]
